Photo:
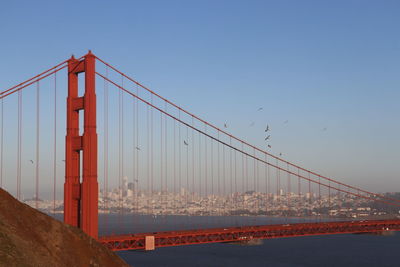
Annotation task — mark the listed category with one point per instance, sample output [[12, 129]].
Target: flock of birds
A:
[[268, 136], [266, 139], [267, 131]]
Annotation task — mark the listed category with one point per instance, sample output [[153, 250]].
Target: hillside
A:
[[31, 238]]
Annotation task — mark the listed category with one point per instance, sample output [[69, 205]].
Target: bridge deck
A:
[[244, 233]]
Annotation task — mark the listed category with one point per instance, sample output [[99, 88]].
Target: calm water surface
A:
[[332, 250]]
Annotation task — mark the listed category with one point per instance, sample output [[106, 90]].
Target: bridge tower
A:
[[81, 197]]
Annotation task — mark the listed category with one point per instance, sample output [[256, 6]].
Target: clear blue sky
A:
[[333, 64]]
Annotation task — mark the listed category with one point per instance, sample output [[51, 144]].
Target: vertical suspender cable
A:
[[254, 177], [166, 155], [151, 155], [148, 158], [278, 184], [269, 185], [55, 145], [180, 158], [299, 194], [243, 171], [223, 178], [37, 142], [174, 182], [134, 149], [1, 142], [288, 195], [105, 189], [137, 150], [122, 152], [254, 170], [205, 168], [20, 153], [230, 173], [187, 168], [298, 183], [236, 190], [20, 149], [319, 197], [309, 193], [200, 167], [193, 190], [212, 176], [329, 194], [258, 186], [162, 160], [246, 164], [19, 144], [218, 177], [187, 171], [340, 200], [246, 203], [266, 184], [200, 170], [119, 160]]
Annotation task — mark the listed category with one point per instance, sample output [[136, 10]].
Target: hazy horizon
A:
[[326, 75]]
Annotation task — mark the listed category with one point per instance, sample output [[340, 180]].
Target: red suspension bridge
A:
[[167, 177]]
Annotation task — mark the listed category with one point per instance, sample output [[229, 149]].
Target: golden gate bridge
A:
[[177, 163]]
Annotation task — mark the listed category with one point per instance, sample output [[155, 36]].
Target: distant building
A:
[[131, 186]]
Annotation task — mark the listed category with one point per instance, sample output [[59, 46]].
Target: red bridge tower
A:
[[81, 198]]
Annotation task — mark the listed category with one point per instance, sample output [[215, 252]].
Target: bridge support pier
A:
[[81, 198]]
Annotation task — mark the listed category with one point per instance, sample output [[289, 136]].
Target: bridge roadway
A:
[[149, 241]]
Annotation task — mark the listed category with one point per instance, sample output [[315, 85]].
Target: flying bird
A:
[[252, 124], [286, 121], [31, 161], [137, 148], [280, 154], [185, 142], [324, 129], [269, 146], [259, 109], [266, 138], [267, 129], [225, 125]]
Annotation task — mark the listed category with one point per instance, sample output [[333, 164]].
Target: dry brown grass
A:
[[31, 238]]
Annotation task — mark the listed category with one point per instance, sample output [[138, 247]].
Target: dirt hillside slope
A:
[[31, 238]]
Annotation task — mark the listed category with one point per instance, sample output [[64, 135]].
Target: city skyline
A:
[[209, 131]]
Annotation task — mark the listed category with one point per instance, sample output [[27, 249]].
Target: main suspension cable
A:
[[242, 151], [240, 140]]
